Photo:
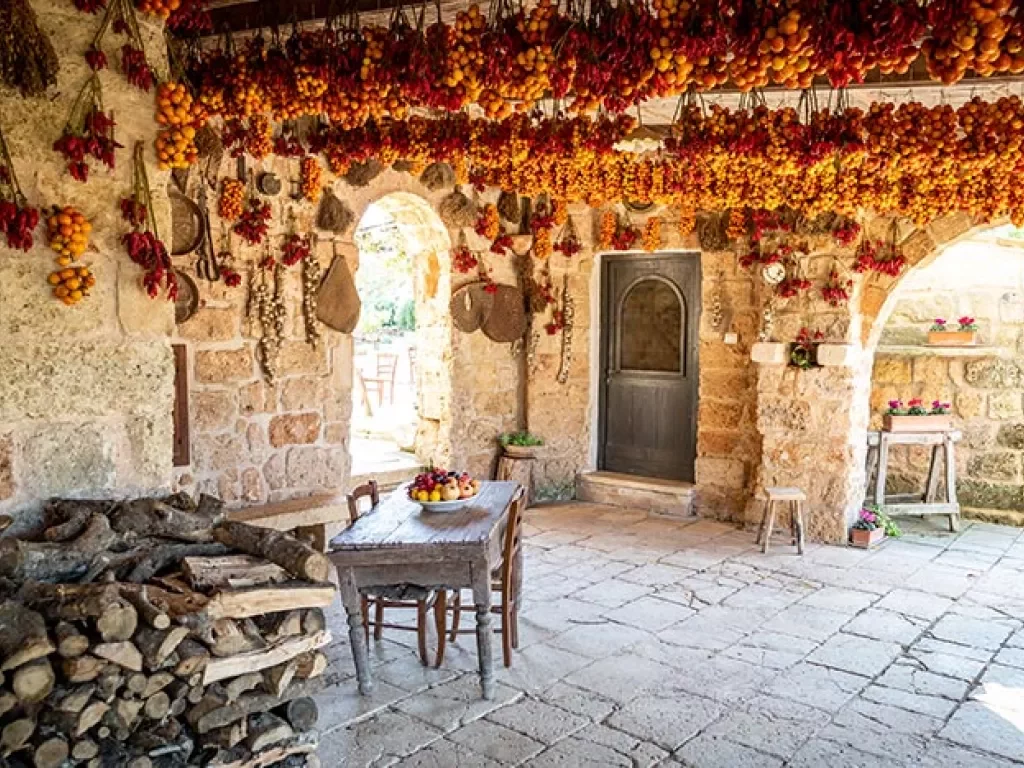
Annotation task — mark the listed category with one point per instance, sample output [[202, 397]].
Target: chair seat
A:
[[785, 494], [410, 592]]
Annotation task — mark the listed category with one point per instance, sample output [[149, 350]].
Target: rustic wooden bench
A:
[[311, 518]]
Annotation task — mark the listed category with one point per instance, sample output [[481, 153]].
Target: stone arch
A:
[[428, 243]]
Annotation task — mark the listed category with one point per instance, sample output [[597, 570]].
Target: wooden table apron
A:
[[400, 543]]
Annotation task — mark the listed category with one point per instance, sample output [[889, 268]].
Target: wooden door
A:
[[650, 319]]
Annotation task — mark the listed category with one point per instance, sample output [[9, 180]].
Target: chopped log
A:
[[85, 749], [277, 626], [156, 645], [156, 683], [239, 757], [241, 684], [33, 682], [228, 736], [251, 703], [70, 528], [8, 701], [25, 560], [210, 506], [124, 654], [142, 761], [196, 693], [150, 517], [70, 642], [225, 637], [265, 730], [124, 714], [301, 713], [157, 706], [118, 622], [311, 665], [82, 669], [148, 612], [297, 558], [192, 658], [109, 683], [15, 734], [257, 601], [167, 555], [277, 679], [6, 521], [75, 699], [178, 707], [313, 620], [69, 602], [231, 571], [89, 717], [23, 635], [136, 684], [174, 604], [221, 669], [51, 753]]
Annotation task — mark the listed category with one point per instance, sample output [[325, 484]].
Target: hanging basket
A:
[[470, 306], [506, 322], [711, 232]]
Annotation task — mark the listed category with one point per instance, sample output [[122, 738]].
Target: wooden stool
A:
[[795, 498]]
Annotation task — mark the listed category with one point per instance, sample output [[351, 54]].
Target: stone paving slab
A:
[[648, 641]]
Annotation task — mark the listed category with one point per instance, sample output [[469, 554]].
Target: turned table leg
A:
[[352, 602], [482, 602]]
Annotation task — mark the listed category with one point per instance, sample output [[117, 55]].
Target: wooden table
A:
[[400, 543], [943, 448]]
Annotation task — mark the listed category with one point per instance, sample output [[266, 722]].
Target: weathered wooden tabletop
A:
[[399, 522]]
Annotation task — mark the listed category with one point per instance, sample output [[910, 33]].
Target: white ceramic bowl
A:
[[445, 506]]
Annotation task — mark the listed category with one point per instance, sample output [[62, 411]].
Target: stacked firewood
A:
[[153, 633]]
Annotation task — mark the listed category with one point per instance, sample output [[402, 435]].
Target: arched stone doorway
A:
[[402, 347], [979, 275]]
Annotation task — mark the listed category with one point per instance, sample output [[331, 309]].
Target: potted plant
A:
[[916, 417], [521, 444], [803, 353], [871, 527], [964, 336]]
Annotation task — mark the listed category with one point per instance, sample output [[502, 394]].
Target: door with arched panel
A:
[[649, 329]]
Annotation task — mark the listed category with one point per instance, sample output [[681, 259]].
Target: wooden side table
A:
[[943, 449]]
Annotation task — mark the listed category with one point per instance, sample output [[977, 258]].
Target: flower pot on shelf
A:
[[521, 451], [952, 338], [864, 538], [938, 422]]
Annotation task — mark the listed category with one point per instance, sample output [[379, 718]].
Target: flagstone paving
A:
[[646, 641]]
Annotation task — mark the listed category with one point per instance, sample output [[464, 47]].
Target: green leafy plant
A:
[[872, 517], [521, 438]]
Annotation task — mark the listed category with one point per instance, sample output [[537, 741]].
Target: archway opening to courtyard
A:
[[977, 284], [401, 380]]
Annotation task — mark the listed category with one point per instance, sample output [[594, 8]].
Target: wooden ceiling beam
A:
[[249, 15]]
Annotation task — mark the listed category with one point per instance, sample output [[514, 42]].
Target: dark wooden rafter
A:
[[249, 15]]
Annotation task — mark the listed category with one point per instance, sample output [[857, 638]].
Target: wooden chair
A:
[[795, 498], [407, 596], [507, 580], [384, 380]]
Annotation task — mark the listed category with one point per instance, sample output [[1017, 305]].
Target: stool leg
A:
[[798, 515], [761, 525], [768, 527], [793, 506]]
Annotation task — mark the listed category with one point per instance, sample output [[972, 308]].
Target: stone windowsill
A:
[[923, 350], [829, 355]]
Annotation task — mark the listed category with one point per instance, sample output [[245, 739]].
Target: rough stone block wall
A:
[[85, 391]]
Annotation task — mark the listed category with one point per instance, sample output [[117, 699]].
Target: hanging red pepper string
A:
[[89, 132], [143, 242], [18, 219]]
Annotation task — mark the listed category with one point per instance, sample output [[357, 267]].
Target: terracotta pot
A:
[[865, 539], [929, 423], [952, 338]]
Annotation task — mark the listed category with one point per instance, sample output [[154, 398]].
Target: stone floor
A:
[[647, 641]]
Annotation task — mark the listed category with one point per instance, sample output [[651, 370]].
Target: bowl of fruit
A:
[[438, 490]]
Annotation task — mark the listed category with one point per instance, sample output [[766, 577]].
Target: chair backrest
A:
[[361, 492], [387, 364], [513, 540]]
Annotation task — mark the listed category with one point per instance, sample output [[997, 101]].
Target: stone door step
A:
[[665, 497]]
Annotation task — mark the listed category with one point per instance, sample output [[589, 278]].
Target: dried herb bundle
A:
[[333, 215], [437, 176], [361, 174], [509, 208], [27, 59], [457, 210]]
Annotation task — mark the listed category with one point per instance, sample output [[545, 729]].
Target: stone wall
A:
[[85, 391], [982, 280]]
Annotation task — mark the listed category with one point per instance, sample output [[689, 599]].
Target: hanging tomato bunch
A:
[[182, 118], [598, 55], [651, 237], [232, 199], [310, 179], [68, 232]]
